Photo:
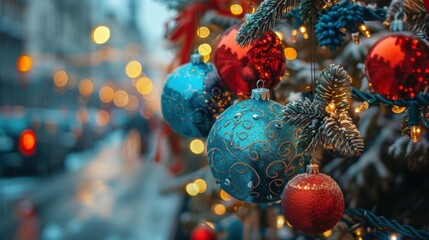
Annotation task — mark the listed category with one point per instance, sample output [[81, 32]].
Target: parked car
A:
[[33, 143]]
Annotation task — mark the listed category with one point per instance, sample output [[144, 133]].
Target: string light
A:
[[362, 107], [327, 233], [393, 237], [330, 108], [398, 109], [364, 30], [294, 35], [280, 222], [416, 132]]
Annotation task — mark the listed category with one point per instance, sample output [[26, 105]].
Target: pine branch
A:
[[311, 8], [263, 20], [300, 113], [311, 138], [333, 85], [343, 136], [405, 129]]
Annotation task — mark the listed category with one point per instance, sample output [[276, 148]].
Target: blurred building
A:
[[55, 38], [11, 47]]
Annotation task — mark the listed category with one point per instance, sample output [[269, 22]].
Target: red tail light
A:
[[27, 142]]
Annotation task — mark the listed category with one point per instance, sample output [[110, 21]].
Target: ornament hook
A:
[[259, 83]]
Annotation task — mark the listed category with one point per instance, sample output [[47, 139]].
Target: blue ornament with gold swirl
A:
[[252, 153], [193, 98]]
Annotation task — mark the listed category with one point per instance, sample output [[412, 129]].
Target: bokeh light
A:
[[106, 94], [133, 103], [280, 221], [219, 209], [192, 189], [203, 32], [60, 78], [202, 185], [121, 98], [24, 63], [224, 196], [86, 87], [102, 118], [101, 34], [83, 115], [236, 9], [205, 49], [144, 86], [133, 69], [290, 53], [197, 146]]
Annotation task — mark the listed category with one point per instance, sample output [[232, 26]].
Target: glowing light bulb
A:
[[362, 107], [364, 30], [416, 132], [330, 108], [327, 233], [398, 109]]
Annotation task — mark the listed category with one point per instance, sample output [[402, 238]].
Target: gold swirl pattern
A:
[[252, 153]]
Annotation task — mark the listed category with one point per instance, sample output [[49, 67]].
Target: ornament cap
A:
[[196, 58], [313, 168], [260, 93]]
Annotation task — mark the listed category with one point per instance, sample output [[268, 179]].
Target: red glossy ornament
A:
[[426, 3], [397, 66], [240, 68], [312, 202], [203, 233]]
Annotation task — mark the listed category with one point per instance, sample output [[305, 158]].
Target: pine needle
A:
[[264, 19]]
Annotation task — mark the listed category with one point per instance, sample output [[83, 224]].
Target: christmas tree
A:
[[348, 84]]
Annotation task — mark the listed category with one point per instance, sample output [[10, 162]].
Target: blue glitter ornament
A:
[[193, 98], [252, 154]]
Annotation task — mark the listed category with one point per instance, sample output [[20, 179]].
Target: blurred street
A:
[[107, 192]]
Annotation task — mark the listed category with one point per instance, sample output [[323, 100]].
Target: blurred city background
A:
[[79, 103], [85, 154]]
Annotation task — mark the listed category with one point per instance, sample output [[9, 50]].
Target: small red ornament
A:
[[312, 202], [240, 68], [397, 66], [203, 232]]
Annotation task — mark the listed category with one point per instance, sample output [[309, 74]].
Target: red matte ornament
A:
[[397, 66], [203, 233], [312, 203], [240, 68]]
